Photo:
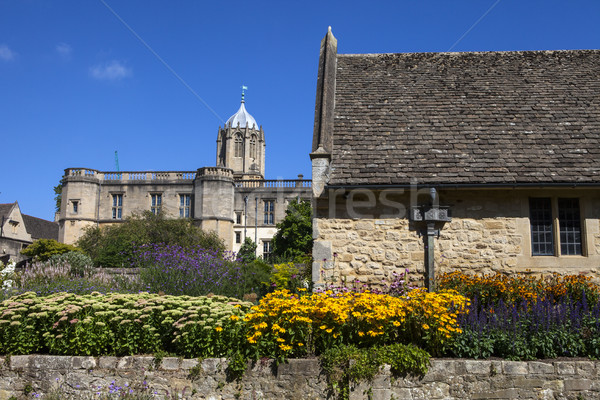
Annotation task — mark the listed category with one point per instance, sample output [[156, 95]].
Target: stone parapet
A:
[[187, 379]]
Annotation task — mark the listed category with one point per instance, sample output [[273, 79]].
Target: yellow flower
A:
[[234, 317], [285, 347], [425, 326], [218, 329]]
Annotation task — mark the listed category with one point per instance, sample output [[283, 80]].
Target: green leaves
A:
[[294, 232], [120, 324], [113, 246], [43, 249]]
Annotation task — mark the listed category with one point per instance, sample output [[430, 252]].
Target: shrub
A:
[[349, 364], [294, 232], [284, 325], [491, 289], [113, 246], [545, 328], [119, 324], [79, 262], [247, 252], [43, 249], [176, 270], [60, 276]]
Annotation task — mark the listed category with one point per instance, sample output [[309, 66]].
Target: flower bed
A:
[[119, 324]]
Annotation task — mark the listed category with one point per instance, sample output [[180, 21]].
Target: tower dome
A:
[[242, 117]]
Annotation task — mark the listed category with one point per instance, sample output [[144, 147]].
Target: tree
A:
[[294, 232], [43, 249], [247, 252], [113, 246], [58, 196]]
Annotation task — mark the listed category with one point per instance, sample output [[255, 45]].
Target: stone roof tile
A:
[[514, 117]]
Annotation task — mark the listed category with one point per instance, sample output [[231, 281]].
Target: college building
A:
[[232, 198]]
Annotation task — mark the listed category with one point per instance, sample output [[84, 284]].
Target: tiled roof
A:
[[467, 118], [40, 228], [5, 209]]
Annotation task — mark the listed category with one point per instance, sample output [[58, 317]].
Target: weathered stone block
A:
[[577, 384], [19, 362], [565, 368], [536, 368], [478, 367], [494, 224], [515, 367], [83, 363], [170, 363]]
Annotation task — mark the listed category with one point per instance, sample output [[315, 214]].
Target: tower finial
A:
[[244, 87]]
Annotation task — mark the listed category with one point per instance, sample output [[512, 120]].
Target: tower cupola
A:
[[241, 145]]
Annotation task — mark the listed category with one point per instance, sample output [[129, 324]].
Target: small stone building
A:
[[233, 198], [508, 143], [18, 231]]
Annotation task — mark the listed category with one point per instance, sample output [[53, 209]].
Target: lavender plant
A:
[[546, 328], [57, 276], [176, 270]]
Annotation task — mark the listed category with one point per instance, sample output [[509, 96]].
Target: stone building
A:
[[506, 143], [18, 230], [233, 198]]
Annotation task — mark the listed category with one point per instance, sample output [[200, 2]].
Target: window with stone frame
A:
[[75, 204], [238, 237], [269, 212], [238, 217], [555, 226], [155, 203], [238, 143], [267, 249], [253, 140], [185, 201], [117, 206]]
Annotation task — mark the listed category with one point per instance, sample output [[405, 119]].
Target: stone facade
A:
[[446, 379], [493, 137], [213, 197], [18, 230], [489, 232]]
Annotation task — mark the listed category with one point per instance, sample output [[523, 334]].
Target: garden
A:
[[192, 302]]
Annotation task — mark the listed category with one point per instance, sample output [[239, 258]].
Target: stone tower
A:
[[241, 146]]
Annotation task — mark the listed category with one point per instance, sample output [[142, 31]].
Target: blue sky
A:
[[77, 81]]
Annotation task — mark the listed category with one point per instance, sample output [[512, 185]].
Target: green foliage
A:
[[291, 276], [79, 262], [43, 249], [349, 364], [256, 275], [236, 366], [54, 277], [294, 232], [120, 324], [113, 246], [58, 196], [247, 252]]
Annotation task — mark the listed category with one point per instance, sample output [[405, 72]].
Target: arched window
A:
[[253, 146], [239, 145]]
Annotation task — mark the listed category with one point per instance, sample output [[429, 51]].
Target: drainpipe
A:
[[256, 225], [245, 217]]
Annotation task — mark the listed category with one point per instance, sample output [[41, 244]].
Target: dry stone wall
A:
[[299, 379]]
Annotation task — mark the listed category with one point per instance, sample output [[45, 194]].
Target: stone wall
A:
[[300, 379], [489, 232]]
